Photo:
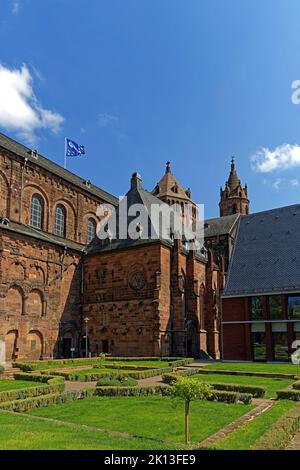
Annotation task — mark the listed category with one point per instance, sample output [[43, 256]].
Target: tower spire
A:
[[234, 197]]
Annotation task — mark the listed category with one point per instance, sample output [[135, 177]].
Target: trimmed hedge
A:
[[255, 391], [22, 393], [288, 394], [296, 385], [121, 367], [271, 375], [231, 397], [130, 391], [281, 432], [32, 366], [124, 382], [94, 376], [21, 406], [39, 378], [223, 396]]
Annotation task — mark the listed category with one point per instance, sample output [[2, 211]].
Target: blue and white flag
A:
[[73, 149]]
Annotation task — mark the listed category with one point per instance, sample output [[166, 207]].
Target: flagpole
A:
[[65, 153]]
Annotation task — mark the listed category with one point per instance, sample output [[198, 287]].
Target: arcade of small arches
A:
[[32, 344], [20, 301]]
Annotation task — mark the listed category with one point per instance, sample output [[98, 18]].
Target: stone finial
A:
[[168, 167]]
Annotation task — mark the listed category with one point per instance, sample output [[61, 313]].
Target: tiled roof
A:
[[266, 254], [220, 226], [19, 149], [168, 186]]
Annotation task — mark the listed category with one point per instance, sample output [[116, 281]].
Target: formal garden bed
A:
[[256, 368], [151, 417], [9, 384], [23, 432], [118, 403], [272, 430], [103, 361]]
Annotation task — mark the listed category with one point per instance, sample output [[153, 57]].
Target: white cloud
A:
[[15, 7], [282, 157], [20, 110], [294, 182], [105, 119]]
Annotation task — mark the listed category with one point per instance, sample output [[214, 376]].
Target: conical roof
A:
[[168, 186], [233, 180]]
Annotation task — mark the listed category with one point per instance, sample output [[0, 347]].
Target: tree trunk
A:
[[187, 430]]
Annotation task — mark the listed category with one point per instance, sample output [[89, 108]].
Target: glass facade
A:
[[294, 307], [256, 308], [258, 341], [275, 307], [280, 342]]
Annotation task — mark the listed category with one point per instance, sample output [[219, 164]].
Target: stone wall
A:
[[19, 182], [39, 296]]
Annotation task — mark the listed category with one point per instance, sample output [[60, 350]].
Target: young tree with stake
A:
[[187, 389]]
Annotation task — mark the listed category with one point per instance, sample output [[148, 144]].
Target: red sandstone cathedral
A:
[[57, 280]]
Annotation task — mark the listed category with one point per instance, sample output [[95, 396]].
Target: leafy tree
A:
[[187, 389]]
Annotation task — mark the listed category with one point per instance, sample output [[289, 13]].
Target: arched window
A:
[[91, 230], [36, 211], [60, 221]]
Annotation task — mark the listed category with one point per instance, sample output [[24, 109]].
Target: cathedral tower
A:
[[233, 198]]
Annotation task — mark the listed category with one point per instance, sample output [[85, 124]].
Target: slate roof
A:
[[220, 225], [266, 254], [19, 149], [135, 195], [29, 231]]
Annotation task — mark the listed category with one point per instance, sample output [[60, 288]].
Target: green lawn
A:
[[15, 384], [254, 367], [244, 437], [150, 417], [23, 432], [271, 385]]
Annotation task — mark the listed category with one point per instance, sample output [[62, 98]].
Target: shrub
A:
[[45, 400], [1, 370], [271, 375], [130, 391], [121, 367], [281, 432], [39, 378], [32, 366], [22, 393], [138, 375], [231, 397], [296, 385], [255, 391], [122, 382], [170, 379], [288, 395]]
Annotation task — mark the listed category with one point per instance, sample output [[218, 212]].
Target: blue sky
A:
[[140, 82]]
